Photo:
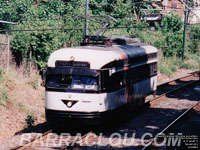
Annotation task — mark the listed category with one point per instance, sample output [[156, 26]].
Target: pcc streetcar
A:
[[95, 78]]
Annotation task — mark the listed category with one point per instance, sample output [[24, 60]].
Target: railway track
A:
[[163, 91], [50, 140], [172, 86], [190, 80], [189, 111]]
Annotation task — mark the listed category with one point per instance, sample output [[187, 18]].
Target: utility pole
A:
[[86, 17], [8, 45], [184, 32], [8, 53], [186, 10]]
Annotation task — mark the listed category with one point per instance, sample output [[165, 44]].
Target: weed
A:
[[186, 66], [169, 65], [43, 115], [1, 73], [3, 96], [21, 107], [30, 119], [164, 70], [34, 82], [177, 62], [173, 68], [9, 82], [43, 97]]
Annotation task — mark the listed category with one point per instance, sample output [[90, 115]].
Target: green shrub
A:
[[195, 38], [30, 119]]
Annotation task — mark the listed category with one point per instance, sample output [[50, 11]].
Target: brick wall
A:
[[176, 4]]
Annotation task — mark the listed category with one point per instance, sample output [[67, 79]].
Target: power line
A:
[[45, 29], [68, 29]]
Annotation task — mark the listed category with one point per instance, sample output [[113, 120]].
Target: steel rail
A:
[[25, 146], [171, 124], [22, 147], [169, 92], [75, 143], [180, 78], [173, 90]]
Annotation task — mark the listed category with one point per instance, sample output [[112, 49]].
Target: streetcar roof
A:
[[98, 56]]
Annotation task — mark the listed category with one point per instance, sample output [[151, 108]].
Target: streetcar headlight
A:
[[69, 104]]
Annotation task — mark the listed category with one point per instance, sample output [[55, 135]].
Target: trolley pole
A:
[[86, 17]]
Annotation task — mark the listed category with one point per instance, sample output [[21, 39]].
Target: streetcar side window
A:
[[115, 81]]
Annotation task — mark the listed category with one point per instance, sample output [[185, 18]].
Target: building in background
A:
[[194, 16], [178, 6]]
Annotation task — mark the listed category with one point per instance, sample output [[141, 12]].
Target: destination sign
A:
[[72, 64]]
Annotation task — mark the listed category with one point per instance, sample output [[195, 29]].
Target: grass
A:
[[34, 82], [2, 72], [18, 94], [3, 95], [164, 70], [43, 116], [168, 66], [21, 107]]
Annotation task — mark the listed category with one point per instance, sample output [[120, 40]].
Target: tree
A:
[[195, 38], [40, 44], [171, 28], [13, 10]]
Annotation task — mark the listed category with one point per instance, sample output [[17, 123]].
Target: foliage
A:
[[61, 14], [40, 44], [173, 44], [125, 11], [195, 38], [171, 29], [183, 65], [141, 8], [30, 119], [169, 65], [167, 36], [13, 10], [170, 23]]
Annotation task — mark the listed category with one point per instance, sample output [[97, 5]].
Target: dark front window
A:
[[63, 81]]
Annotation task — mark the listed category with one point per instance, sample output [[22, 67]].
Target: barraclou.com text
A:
[[115, 139]]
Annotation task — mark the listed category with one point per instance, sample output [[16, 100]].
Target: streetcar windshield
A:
[[72, 82]]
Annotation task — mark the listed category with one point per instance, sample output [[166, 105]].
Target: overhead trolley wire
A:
[[64, 29]]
